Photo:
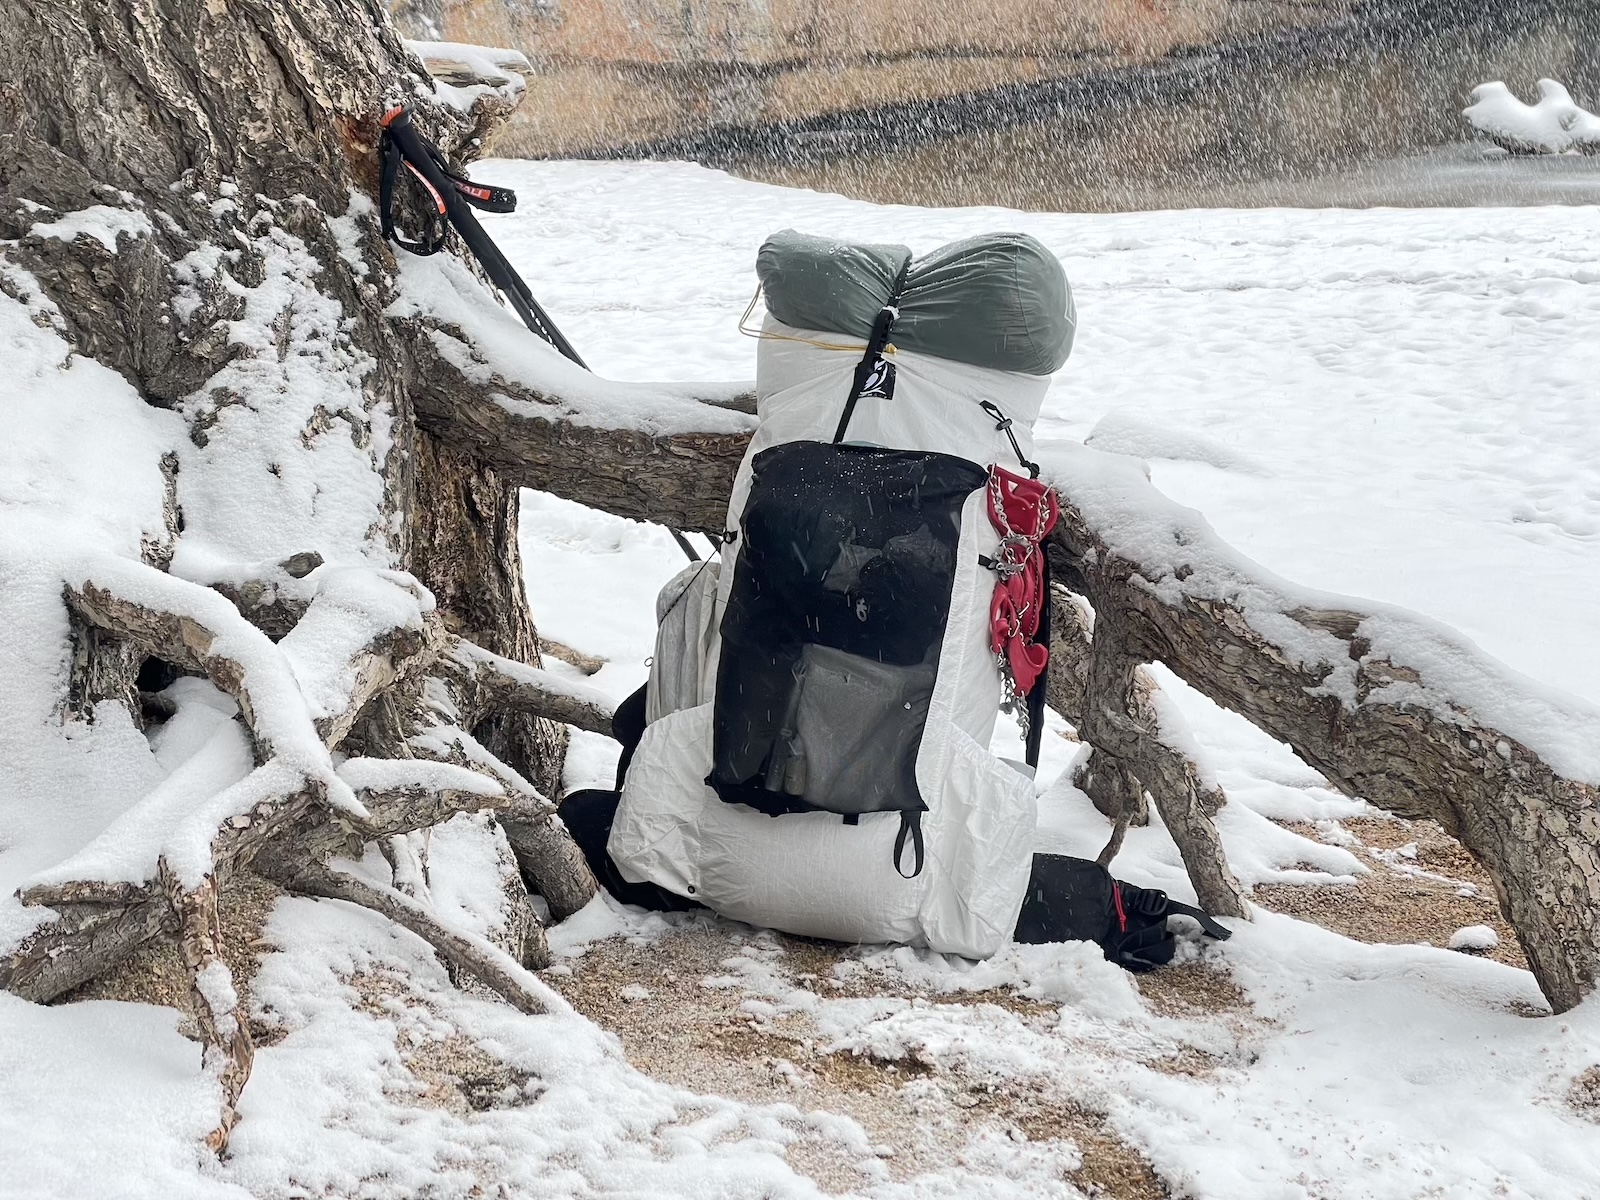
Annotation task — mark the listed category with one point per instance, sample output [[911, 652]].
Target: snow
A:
[[1126, 433], [1474, 937], [1397, 405], [101, 222], [100, 1101], [497, 71], [353, 609], [1553, 125], [380, 774], [79, 473], [291, 445], [537, 678], [442, 288], [490, 61]]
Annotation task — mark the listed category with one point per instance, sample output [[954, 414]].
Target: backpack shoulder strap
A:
[[1207, 921]]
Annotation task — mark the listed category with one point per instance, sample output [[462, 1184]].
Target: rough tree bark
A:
[[1104, 689]]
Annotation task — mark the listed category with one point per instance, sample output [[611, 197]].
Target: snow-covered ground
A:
[[1399, 405]]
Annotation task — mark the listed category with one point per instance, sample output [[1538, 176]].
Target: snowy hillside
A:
[[1399, 405]]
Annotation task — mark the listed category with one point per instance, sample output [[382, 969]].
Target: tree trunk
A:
[[464, 547], [186, 196]]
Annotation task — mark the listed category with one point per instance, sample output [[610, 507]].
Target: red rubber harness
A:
[[1023, 511]]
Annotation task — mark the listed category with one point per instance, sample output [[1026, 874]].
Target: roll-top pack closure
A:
[[999, 300]]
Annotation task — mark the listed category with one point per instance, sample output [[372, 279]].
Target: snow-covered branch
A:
[[655, 452], [475, 955], [490, 683], [1389, 706], [1553, 125], [547, 855]]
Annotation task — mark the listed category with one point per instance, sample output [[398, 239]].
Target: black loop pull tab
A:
[[910, 828], [454, 199]]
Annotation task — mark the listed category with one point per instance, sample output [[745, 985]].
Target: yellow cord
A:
[[761, 334]]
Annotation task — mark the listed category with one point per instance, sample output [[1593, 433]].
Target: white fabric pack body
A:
[[812, 873]]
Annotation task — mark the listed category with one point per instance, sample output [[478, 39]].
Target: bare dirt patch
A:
[[1190, 988], [1412, 894], [452, 1071], [155, 973], [1584, 1095], [919, 1115], [1110, 1167]]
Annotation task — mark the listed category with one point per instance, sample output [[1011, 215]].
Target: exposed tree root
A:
[[486, 682], [478, 957], [224, 1027]]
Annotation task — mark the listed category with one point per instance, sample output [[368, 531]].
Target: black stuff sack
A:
[[1075, 900]]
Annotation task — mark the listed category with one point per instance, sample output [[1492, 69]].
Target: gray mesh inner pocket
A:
[[849, 740]]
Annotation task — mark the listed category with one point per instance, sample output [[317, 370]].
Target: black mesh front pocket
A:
[[835, 617]]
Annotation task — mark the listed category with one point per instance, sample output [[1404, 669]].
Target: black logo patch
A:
[[880, 384]]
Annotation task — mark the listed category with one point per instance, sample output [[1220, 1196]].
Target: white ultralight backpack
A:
[[820, 708]]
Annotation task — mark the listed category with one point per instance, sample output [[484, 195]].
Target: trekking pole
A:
[[454, 198]]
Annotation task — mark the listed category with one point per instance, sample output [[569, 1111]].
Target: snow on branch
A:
[[492, 683], [361, 629], [470, 952], [543, 848], [487, 388], [1388, 705], [462, 64]]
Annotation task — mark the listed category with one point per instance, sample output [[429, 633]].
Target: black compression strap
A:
[[1207, 921], [876, 341], [910, 827]]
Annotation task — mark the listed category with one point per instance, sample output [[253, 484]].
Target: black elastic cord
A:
[[910, 827], [402, 143], [1003, 424]]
